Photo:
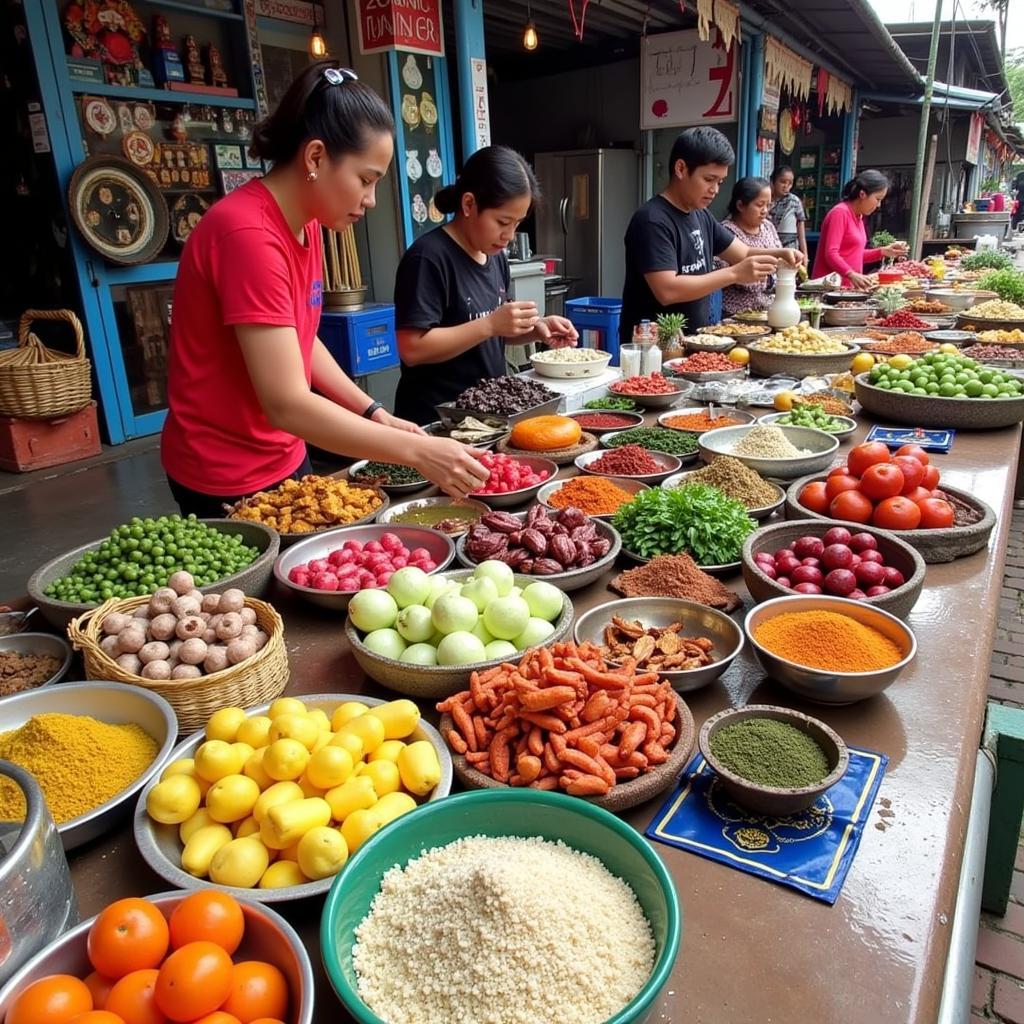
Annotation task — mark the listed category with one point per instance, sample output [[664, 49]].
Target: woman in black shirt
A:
[[451, 292]]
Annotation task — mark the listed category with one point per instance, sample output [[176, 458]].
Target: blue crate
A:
[[594, 313], [362, 341]]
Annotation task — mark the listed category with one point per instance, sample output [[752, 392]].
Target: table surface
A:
[[754, 951]]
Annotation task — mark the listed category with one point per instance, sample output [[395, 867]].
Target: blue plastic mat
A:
[[929, 440]]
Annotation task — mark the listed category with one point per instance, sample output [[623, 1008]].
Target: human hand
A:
[[385, 418], [513, 319], [859, 281], [896, 249], [557, 331], [794, 257], [454, 467], [755, 268]]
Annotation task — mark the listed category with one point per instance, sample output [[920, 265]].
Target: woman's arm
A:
[[801, 237], [833, 230], [512, 320]]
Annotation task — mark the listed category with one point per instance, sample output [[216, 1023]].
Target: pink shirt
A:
[[842, 247]]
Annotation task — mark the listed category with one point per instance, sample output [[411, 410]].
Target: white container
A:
[[651, 361], [784, 311], [631, 360]]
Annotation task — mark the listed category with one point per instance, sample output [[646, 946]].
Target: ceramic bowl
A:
[[636, 419], [849, 424], [763, 512], [822, 448]]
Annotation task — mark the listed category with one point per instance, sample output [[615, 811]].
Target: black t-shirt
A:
[[440, 285], [660, 236]]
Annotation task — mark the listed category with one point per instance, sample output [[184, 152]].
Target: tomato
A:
[[208, 916], [931, 478], [915, 451], [258, 989], [912, 470], [918, 494], [867, 454], [267, 1020], [134, 998], [837, 484], [898, 513], [56, 999], [882, 480], [97, 1017], [100, 988], [130, 935], [193, 981], [936, 514], [813, 497], [219, 1017], [851, 506], [841, 470]]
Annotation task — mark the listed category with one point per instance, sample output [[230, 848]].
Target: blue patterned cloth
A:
[[811, 851]]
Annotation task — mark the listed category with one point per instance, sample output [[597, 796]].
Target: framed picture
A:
[[227, 157], [252, 163], [232, 179]]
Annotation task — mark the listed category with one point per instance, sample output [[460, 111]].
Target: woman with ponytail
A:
[[451, 292], [244, 356]]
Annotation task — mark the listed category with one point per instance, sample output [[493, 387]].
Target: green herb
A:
[[389, 473], [697, 519], [890, 298], [619, 404], [880, 239], [1008, 284], [656, 439], [990, 259], [813, 416], [770, 753]]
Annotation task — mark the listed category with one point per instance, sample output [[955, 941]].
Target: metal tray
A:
[[451, 414]]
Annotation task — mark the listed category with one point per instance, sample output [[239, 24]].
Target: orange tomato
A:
[[898, 513], [813, 496], [130, 935], [258, 989], [193, 981], [100, 988], [852, 506], [97, 1017], [841, 470], [134, 998], [56, 999], [837, 484], [267, 1020], [218, 1017], [912, 470], [865, 455], [918, 494], [208, 916], [936, 514], [916, 452], [931, 478], [882, 480]]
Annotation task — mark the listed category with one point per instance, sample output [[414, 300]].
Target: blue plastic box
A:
[[594, 313], [362, 341]]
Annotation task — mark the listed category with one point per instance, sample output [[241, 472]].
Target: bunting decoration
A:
[[727, 18], [838, 96], [786, 69], [705, 16]]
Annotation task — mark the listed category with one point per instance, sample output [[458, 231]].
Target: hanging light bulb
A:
[[530, 39], [317, 43]]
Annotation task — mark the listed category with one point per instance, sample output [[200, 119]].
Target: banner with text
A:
[[413, 25]]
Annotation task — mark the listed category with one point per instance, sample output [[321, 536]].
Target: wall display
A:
[[185, 214], [787, 133], [144, 116], [434, 166], [400, 25], [227, 157], [411, 74], [167, 65], [118, 210], [481, 104], [183, 165], [98, 115], [230, 180], [413, 167], [139, 148], [252, 163], [110, 31], [125, 119]]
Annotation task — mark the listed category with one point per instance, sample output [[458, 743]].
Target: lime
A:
[[989, 390], [973, 388], [947, 390]]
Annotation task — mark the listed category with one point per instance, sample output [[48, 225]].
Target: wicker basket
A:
[[257, 680], [38, 383]]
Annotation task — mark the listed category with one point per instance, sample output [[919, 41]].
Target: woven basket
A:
[[38, 383], [257, 680]]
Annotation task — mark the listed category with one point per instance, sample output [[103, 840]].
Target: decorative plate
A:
[[411, 74], [99, 116], [143, 115], [185, 214], [787, 133], [139, 148], [118, 210]]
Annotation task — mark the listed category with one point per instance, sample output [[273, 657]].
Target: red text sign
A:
[[400, 25]]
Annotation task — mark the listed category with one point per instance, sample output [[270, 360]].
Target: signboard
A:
[[974, 139], [686, 81], [298, 11], [481, 110], [410, 25]]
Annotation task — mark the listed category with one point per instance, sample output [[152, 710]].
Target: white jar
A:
[[651, 360], [784, 311]]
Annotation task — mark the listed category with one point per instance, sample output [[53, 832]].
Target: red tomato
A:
[[851, 506], [258, 989], [837, 484], [814, 497], [208, 916], [100, 988], [133, 998], [931, 478], [193, 981], [55, 999], [912, 470], [914, 451], [936, 514], [129, 935], [918, 494], [867, 454], [898, 513], [840, 470], [882, 480]]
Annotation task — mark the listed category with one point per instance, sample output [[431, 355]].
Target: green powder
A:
[[770, 753]]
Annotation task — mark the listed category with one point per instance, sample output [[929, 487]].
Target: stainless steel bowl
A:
[[288, 539], [956, 300], [395, 511], [40, 644], [683, 388], [670, 464], [161, 847], [821, 685], [636, 418], [764, 512], [737, 416], [821, 445], [15, 622], [545, 494], [608, 441], [523, 494], [849, 424], [320, 545], [419, 485], [107, 702], [268, 937], [697, 619]]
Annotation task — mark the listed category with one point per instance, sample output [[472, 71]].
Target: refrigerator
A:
[[588, 198]]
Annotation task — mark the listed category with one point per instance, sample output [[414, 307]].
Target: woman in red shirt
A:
[[843, 246], [244, 356]]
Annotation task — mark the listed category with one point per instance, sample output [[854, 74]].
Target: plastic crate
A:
[[594, 313], [362, 341], [37, 444]]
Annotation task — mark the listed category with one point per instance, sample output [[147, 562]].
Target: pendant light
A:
[[317, 43], [530, 39]]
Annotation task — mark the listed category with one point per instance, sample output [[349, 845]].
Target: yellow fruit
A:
[[247, 827], [384, 775], [202, 847], [950, 350], [369, 729], [286, 706], [285, 759], [280, 793], [255, 731], [232, 798], [357, 794], [346, 712], [253, 767], [394, 805], [329, 767], [319, 716], [358, 827], [862, 362], [183, 766], [224, 724], [900, 362], [739, 355], [288, 822], [400, 717], [322, 852], [240, 862], [295, 727], [197, 821], [322, 740], [784, 401], [419, 767], [353, 744], [282, 874], [307, 787], [387, 751], [174, 800], [289, 853], [215, 759]]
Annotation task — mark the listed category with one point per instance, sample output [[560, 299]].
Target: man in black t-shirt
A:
[[672, 240]]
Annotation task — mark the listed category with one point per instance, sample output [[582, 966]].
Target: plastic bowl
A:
[[503, 812]]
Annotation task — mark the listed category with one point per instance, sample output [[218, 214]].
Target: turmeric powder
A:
[[827, 640], [79, 762]]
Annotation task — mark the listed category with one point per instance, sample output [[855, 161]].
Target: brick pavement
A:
[[999, 970]]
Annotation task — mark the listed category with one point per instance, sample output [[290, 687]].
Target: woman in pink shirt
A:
[[842, 248]]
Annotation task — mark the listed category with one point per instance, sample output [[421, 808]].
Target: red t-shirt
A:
[[241, 265]]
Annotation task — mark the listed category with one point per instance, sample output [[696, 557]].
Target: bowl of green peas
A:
[[139, 556], [816, 417]]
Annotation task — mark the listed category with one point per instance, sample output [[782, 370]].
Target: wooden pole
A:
[[929, 177]]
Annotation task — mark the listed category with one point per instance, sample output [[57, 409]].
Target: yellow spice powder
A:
[[79, 762], [827, 640]]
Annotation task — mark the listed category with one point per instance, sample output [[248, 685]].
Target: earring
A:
[[311, 176]]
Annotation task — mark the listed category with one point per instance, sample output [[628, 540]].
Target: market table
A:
[[754, 951]]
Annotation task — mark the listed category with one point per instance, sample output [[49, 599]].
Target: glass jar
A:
[[631, 360]]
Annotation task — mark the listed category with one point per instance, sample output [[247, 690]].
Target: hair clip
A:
[[338, 76]]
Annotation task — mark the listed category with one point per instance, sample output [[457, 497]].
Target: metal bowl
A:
[[821, 685], [831, 298], [636, 418], [15, 622], [707, 343], [252, 579], [40, 644], [670, 464], [320, 545], [608, 441], [439, 681], [161, 846], [288, 539], [950, 337], [737, 416], [773, 800], [345, 298], [570, 370], [956, 300], [822, 446], [697, 619], [106, 702], [419, 485], [764, 512], [501, 433], [395, 511], [268, 937], [523, 494], [705, 376], [846, 316], [631, 486], [656, 401], [737, 333], [850, 424], [799, 365]]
